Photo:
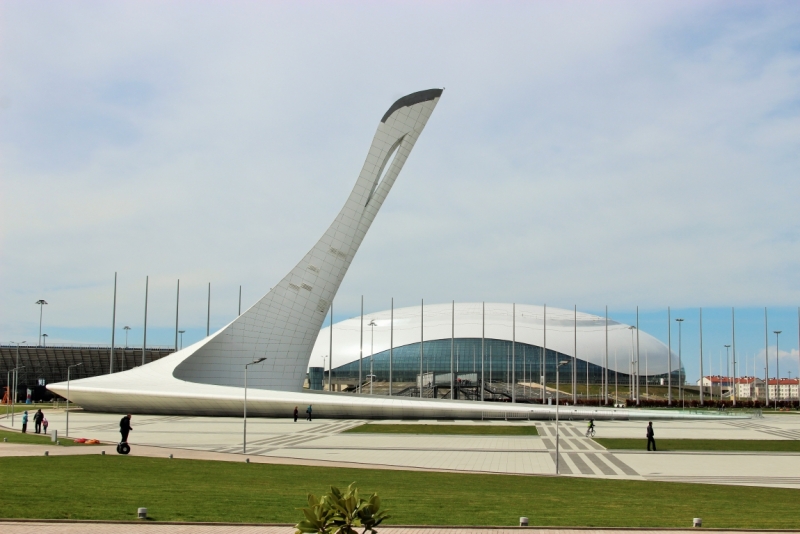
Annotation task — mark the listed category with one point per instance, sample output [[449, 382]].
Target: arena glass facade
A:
[[497, 364]]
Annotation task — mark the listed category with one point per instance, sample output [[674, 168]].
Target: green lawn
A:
[[36, 439], [112, 487], [704, 444], [31, 408], [493, 430]]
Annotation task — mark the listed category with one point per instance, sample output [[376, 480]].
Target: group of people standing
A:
[[39, 422]]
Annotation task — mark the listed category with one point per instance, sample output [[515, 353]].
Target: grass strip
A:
[[754, 445], [113, 487], [35, 439], [460, 430], [31, 408]]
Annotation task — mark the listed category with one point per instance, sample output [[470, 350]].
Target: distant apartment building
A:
[[746, 387], [783, 388], [716, 381], [749, 387]]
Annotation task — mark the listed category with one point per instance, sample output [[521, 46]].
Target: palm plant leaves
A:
[[339, 512]]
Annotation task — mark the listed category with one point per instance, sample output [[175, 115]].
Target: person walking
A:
[[37, 421], [44, 423], [308, 413], [125, 427], [25, 421], [295, 414], [650, 436]]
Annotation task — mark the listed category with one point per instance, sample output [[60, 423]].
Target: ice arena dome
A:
[[396, 351]]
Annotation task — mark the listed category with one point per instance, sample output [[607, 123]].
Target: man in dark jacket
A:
[[37, 421], [650, 436], [125, 427]]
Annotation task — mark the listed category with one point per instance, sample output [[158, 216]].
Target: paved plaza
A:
[[324, 442]]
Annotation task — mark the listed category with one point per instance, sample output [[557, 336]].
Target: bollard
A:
[[170, 457], [523, 521], [697, 522], [102, 453], [58, 443], [142, 513], [247, 460], [47, 453], [54, 436], [5, 440]]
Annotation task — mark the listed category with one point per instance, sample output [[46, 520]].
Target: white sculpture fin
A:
[[283, 326]]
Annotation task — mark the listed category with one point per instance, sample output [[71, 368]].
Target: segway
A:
[[123, 448]]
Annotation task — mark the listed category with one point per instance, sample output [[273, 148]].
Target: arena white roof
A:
[[564, 327]]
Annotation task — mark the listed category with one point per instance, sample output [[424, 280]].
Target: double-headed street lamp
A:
[[41, 303], [372, 326], [777, 369], [565, 362], [244, 438], [69, 368]]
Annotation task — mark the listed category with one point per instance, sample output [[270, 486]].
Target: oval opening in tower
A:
[[387, 164]]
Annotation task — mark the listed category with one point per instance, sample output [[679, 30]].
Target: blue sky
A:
[[615, 153]]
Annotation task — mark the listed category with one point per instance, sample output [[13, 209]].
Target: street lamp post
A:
[[630, 378], [680, 366], [372, 326], [777, 368], [16, 381], [127, 329], [69, 368], [44, 340], [324, 360], [13, 403], [181, 333], [8, 390], [631, 367], [558, 366], [41, 303], [244, 437], [727, 371]]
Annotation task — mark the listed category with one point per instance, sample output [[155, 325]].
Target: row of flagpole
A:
[[635, 376], [636, 372]]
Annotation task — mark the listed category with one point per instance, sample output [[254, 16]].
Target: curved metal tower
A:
[[283, 326]]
